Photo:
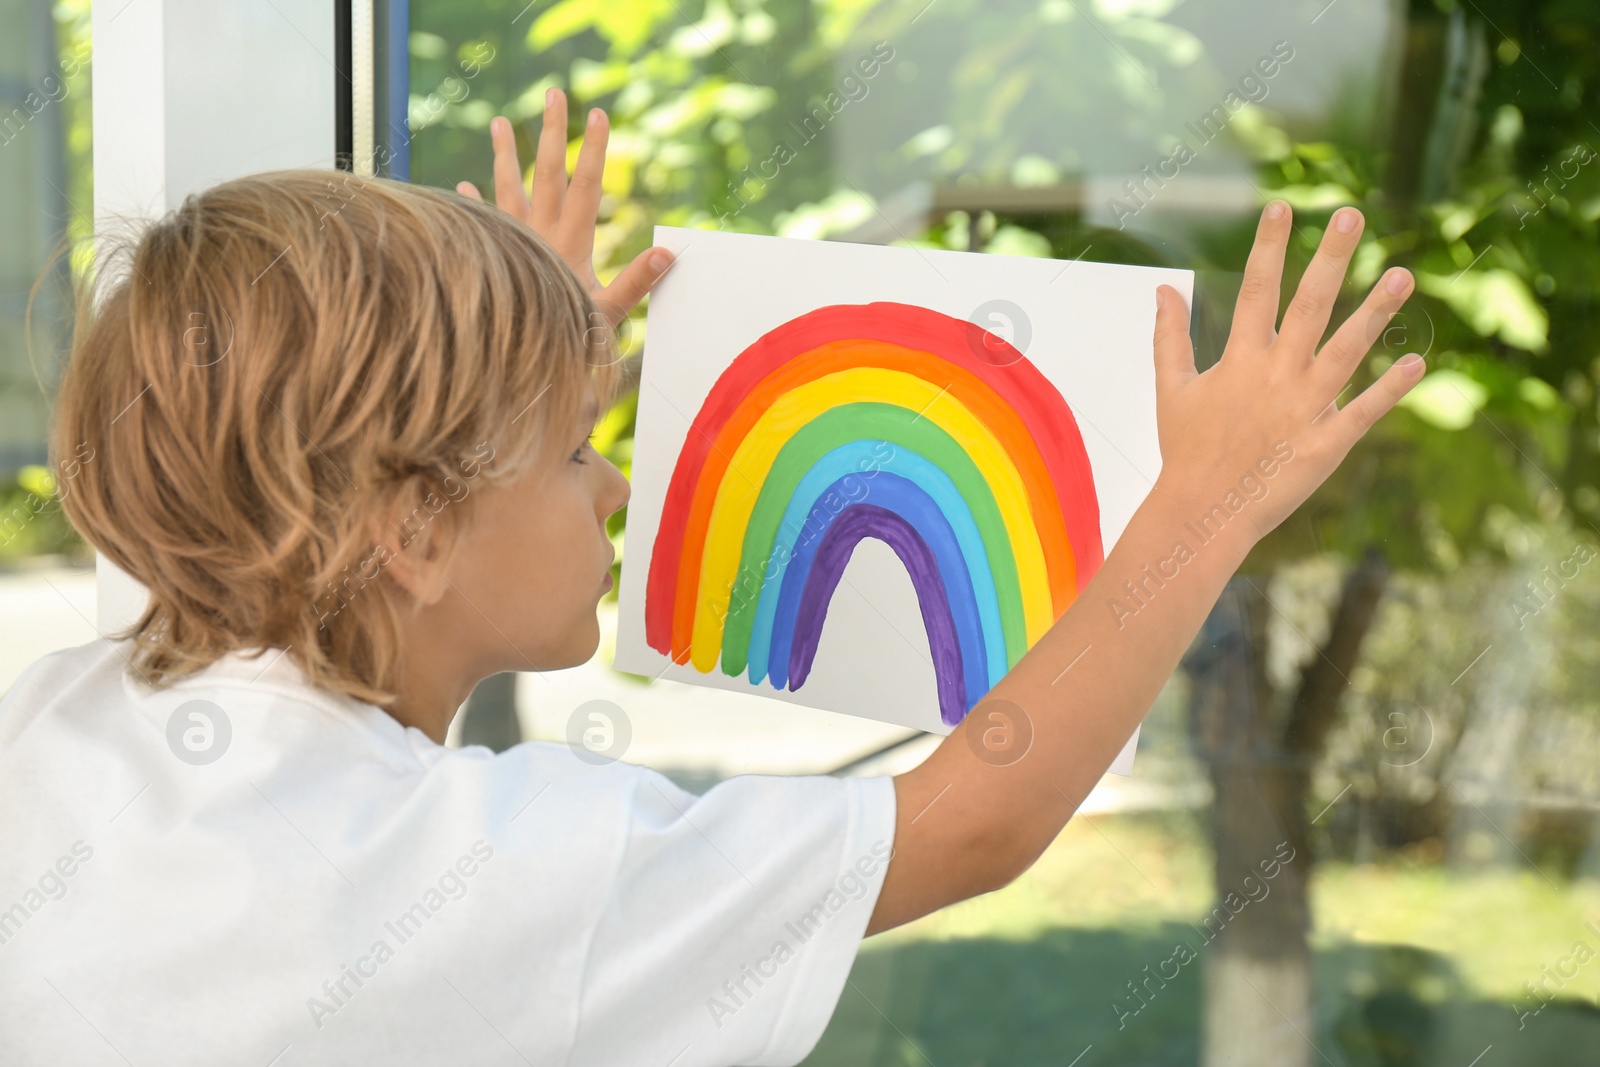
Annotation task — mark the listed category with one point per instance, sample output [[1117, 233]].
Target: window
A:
[[1382, 711]]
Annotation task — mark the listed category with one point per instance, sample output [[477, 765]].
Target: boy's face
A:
[[535, 559]]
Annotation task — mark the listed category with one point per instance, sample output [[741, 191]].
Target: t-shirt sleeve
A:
[[734, 917]]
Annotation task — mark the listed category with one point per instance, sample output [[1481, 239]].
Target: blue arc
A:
[[903, 497]]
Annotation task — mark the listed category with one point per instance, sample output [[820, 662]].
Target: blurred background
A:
[[1393, 709]]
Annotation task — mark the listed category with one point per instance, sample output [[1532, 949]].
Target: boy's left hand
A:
[[565, 216]]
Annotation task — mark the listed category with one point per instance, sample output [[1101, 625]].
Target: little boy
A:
[[338, 431]]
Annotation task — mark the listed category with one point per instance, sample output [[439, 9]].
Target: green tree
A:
[[1477, 183]]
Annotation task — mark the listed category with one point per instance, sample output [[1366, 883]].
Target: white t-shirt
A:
[[335, 888]]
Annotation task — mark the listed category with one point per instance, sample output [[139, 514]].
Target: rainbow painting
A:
[[856, 488], [930, 434]]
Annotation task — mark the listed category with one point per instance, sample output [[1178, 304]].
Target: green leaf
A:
[[591, 80], [38, 481], [1539, 393], [567, 19], [1447, 399], [1493, 302]]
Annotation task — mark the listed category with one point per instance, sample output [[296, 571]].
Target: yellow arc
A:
[[752, 461]]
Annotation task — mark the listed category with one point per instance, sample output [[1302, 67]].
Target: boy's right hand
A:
[[974, 815], [1268, 407]]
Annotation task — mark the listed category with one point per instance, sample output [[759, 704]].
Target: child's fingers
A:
[[550, 164], [1255, 315], [468, 189], [1357, 417], [1313, 300], [583, 195], [636, 279], [1351, 342], [1174, 350], [508, 190]]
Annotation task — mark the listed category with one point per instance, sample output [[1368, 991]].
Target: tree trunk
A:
[[1256, 962], [1260, 1004]]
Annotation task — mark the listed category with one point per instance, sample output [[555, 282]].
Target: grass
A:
[[1415, 963], [1497, 928]]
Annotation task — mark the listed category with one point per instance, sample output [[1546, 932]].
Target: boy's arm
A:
[[969, 820]]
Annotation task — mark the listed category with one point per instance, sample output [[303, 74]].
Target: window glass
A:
[[1361, 828]]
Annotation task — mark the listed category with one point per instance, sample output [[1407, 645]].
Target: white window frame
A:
[[188, 93]]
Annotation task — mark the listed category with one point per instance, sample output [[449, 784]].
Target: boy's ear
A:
[[409, 548]]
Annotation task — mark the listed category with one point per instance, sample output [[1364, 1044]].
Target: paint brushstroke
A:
[[868, 520]]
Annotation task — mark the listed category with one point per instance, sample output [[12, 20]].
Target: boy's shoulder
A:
[[52, 678], [92, 697]]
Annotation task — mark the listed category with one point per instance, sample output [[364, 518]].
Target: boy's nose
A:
[[622, 490]]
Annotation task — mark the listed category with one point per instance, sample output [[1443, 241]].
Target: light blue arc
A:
[[915, 467], [921, 522]]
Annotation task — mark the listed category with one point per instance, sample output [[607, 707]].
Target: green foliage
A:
[[31, 520], [1474, 172], [72, 35], [1501, 236]]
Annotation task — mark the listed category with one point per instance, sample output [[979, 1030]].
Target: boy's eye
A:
[[579, 452]]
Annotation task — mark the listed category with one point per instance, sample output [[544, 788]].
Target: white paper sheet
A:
[[1085, 329]]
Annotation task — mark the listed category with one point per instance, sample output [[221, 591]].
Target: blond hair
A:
[[287, 359]]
